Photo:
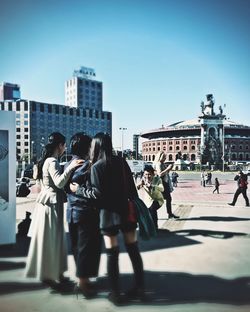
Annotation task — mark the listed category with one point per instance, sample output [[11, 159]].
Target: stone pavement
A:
[[200, 262]]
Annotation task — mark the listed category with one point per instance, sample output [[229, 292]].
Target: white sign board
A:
[[7, 177]]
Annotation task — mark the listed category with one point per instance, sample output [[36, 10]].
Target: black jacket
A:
[[112, 185]]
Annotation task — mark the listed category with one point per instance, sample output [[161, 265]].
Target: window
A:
[[26, 143], [26, 115], [26, 123], [26, 129], [41, 107], [25, 106], [18, 123], [193, 147], [10, 106], [18, 106], [170, 157], [49, 109], [18, 143], [18, 136], [185, 147], [18, 129], [177, 148], [26, 136], [192, 157], [170, 148]]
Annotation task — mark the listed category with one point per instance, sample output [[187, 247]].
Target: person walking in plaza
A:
[[83, 219], [151, 192], [174, 177], [241, 179], [203, 181], [109, 174], [47, 256], [216, 185], [163, 172]]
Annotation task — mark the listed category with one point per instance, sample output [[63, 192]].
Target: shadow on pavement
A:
[[214, 234], [14, 287], [166, 288], [214, 218], [172, 288], [9, 265]]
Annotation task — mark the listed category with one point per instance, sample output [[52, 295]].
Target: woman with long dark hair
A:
[[47, 257], [112, 186]]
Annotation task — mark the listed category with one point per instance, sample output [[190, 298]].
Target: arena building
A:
[[209, 139]]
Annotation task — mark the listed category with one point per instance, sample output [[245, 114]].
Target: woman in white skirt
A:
[[47, 257]]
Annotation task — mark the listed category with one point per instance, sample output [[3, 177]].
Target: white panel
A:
[[7, 177]]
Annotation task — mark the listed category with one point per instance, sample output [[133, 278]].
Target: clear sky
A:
[[157, 59]]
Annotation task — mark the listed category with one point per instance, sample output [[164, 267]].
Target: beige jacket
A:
[[153, 193]]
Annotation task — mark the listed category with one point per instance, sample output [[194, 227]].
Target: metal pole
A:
[[223, 146], [122, 129]]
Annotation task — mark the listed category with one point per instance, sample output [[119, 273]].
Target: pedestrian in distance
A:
[[174, 177], [163, 170], [109, 175], [216, 185], [151, 192], [83, 219], [47, 256], [241, 179]]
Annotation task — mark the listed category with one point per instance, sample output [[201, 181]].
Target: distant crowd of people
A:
[[98, 187]]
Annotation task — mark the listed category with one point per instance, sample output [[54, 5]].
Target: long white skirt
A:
[[47, 257]]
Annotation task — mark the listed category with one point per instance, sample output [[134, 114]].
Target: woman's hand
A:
[[74, 187], [76, 163]]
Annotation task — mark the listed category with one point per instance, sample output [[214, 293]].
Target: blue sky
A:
[[157, 59]]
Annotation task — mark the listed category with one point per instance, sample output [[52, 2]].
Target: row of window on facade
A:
[[93, 84], [171, 157], [232, 157], [170, 142], [58, 109], [170, 148], [18, 107]]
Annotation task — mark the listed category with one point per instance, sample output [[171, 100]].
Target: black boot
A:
[[137, 292], [113, 276]]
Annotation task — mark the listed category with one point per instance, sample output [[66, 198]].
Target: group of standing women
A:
[[99, 186]]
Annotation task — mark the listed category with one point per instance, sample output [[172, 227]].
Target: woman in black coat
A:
[[112, 187]]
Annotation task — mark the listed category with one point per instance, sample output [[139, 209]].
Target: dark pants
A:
[[167, 196], [153, 211], [86, 244], [216, 189], [242, 191]]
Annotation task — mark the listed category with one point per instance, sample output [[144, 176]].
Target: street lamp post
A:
[[122, 130], [32, 151]]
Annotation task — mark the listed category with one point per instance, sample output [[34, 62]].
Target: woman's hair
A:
[[158, 156], [80, 144], [54, 140], [101, 147]]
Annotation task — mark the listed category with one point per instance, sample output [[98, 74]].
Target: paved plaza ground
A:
[[200, 262]]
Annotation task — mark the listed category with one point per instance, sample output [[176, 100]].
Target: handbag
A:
[[147, 228], [132, 216]]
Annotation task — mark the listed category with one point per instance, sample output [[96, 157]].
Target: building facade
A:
[[9, 91], [210, 138], [36, 120], [83, 90]]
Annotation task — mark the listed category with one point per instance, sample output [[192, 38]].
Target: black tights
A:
[[113, 267]]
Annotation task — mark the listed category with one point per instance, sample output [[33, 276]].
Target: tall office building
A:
[[83, 90], [9, 91], [36, 120]]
